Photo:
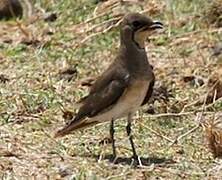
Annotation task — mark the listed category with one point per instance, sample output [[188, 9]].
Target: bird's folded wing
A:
[[100, 101], [114, 72], [97, 103]]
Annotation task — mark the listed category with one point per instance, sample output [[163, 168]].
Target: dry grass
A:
[[33, 93]]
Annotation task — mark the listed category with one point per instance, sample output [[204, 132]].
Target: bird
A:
[[16, 9], [10, 8], [124, 87]]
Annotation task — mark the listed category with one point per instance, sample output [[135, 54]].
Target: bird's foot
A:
[[106, 140], [136, 161], [113, 158]]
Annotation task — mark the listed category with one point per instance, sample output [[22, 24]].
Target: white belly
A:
[[129, 102]]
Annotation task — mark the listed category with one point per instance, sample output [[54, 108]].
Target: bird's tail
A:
[[74, 125]]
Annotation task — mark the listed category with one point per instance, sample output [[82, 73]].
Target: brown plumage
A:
[[10, 9], [126, 84]]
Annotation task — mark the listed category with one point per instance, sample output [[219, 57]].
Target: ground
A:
[[45, 64]]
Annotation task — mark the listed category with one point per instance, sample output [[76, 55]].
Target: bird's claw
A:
[[136, 161], [113, 158]]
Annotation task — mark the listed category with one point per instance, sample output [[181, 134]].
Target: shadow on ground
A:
[[144, 161]]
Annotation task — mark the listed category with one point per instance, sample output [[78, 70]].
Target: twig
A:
[[158, 134], [96, 34], [198, 31], [26, 33], [189, 105], [89, 20], [214, 97], [94, 18], [205, 98], [177, 172], [185, 134], [198, 119], [109, 7], [171, 114], [214, 102], [181, 37], [176, 114], [144, 11], [104, 22]]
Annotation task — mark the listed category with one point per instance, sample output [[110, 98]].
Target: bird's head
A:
[[141, 27]]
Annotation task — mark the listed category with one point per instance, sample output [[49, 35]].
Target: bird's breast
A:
[[135, 93]]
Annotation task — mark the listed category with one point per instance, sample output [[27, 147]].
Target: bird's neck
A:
[[139, 41], [128, 38], [134, 58]]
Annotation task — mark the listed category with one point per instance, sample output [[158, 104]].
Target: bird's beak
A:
[[156, 25]]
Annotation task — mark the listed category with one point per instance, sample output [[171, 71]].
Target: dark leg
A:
[[112, 138], [128, 130]]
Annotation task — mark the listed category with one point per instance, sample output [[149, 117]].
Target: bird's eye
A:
[[136, 24]]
